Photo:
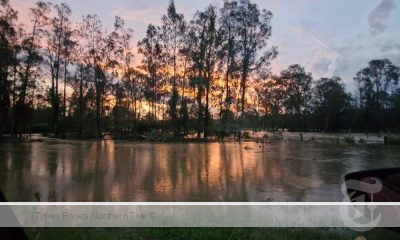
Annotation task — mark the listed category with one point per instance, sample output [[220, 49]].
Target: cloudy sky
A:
[[328, 37]]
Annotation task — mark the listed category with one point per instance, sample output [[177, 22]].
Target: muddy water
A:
[[122, 171]]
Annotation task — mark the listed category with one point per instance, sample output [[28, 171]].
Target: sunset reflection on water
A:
[[100, 171]]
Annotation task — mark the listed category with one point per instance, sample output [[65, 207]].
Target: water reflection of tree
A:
[[14, 166], [117, 171]]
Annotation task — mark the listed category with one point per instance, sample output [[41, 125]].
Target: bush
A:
[[246, 135], [145, 126], [349, 139], [392, 140], [41, 128]]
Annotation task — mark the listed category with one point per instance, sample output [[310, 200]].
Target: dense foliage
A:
[[208, 75]]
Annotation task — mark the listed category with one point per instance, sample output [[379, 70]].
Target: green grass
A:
[[207, 233]]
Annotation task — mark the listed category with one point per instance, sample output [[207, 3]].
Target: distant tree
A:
[[126, 88], [128, 74], [70, 45], [184, 116], [215, 66], [153, 64], [57, 50], [228, 55], [271, 94], [375, 84], [92, 40], [187, 72], [173, 31], [81, 87], [99, 53], [205, 39], [120, 111], [186, 66], [30, 66], [330, 102], [8, 59], [297, 83], [395, 111], [253, 31]]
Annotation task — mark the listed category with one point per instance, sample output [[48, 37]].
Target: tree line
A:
[[207, 75]]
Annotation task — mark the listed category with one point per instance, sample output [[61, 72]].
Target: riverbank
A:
[[247, 136]]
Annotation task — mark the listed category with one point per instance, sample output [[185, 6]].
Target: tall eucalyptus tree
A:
[[30, 66], [253, 32], [153, 65], [204, 33], [8, 59], [59, 45], [228, 54], [173, 33]]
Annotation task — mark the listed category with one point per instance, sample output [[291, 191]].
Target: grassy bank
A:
[[208, 233]]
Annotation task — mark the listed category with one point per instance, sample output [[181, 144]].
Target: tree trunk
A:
[[206, 110], [65, 90], [242, 99], [98, 109], [200, 112], [81, 105]]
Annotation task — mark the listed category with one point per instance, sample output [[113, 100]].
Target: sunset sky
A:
[[330, 37]]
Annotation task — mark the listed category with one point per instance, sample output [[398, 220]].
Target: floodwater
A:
[[104, 171]]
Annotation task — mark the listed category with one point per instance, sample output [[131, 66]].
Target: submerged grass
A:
[[208, 233], [392, 140]]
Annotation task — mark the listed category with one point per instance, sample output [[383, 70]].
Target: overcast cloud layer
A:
[[328, 37]]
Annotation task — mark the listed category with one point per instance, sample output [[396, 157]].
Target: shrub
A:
[[349, 139], [246, 135], [41, 128], [392, 140]]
